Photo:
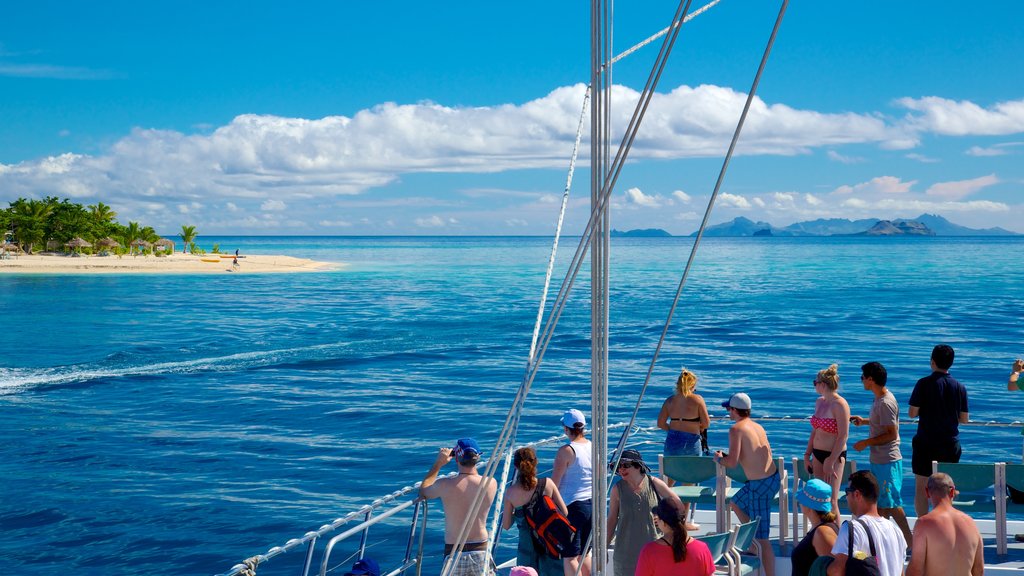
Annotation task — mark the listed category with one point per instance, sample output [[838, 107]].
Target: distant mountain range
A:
[[645, 233], [923, 225]]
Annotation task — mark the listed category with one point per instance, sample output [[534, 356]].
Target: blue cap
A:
[[466, 448], [364, 567], [816, 495]]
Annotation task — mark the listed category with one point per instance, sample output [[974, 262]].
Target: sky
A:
[[459, 118]]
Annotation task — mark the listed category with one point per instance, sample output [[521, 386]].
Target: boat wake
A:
[[120, 365]]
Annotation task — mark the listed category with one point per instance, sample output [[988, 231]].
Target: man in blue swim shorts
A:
[[884, 441], [749, 448]]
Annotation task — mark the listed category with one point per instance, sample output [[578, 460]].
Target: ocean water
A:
[[182, 423]]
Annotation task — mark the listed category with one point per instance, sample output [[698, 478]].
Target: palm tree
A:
[[29, 219], [131, 233], [188, 235], [102, 213]]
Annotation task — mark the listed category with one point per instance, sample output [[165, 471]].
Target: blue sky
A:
[[458, 118]]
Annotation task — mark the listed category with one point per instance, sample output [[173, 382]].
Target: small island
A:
[[55, 236]]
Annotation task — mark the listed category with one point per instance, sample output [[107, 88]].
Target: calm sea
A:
[[181, 423]]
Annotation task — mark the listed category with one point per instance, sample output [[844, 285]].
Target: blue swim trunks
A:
[[890, 480], [755, 500], [682, 444]]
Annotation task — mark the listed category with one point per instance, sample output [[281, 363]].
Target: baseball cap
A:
[[738, 400], [573, 417], [364, 567], [465, 448]]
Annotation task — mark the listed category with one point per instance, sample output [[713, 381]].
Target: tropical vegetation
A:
[[33, 224]]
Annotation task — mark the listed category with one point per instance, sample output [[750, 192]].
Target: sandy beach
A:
[[177, 263]]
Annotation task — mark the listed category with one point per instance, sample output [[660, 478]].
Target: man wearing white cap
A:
[[573, 473], [749, 448]]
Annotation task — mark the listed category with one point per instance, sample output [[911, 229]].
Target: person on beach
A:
[[457, 495], [629, 513], [523, 489], [941, 402], [815, 500], [825, 457], [1018, 367], [675, 553], [684, 416], [234, 263], [572, 474], [946, 541], [884, 440], [749, 448], [889, 546]]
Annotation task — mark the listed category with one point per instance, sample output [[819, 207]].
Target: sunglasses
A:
[[628, 464]]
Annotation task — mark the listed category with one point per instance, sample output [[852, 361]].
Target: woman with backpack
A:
[[573, 474], [521, 492]]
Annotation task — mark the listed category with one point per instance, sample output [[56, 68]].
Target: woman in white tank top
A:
[[573, 474]]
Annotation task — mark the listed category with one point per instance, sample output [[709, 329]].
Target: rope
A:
[[250, 566], [703, 225]]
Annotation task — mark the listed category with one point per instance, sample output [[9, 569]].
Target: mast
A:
[[600, 113]]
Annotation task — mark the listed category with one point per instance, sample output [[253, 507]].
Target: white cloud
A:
[[273, 206], [335, 223], [962, 118], [682, 196], [636, 196], [979, 151], [232, 206], [759, 202], [432, 222], [922, 158], [837, 157], [812, 200], [733, 201], [879, 185], [959, 189], [912, 206], [517, 222]]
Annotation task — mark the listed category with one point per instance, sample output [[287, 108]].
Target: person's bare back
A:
[[755, 451], [946, 541], [457, 496]]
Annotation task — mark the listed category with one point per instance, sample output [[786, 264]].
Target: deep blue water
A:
[[182, 423]]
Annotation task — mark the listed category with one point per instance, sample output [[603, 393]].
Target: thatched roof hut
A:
[[165, 243], [107, 243], [77, 242]]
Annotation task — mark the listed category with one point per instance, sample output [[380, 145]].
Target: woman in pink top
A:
[[675, 553], [825, 457]]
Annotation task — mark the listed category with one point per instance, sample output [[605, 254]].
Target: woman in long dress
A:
[[629, 513]]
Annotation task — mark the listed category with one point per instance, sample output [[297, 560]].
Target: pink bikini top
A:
[[825, 424]]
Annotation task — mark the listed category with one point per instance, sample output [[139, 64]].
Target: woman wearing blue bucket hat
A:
[[815, 499]]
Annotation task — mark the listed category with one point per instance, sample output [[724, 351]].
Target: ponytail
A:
[[525, 461]]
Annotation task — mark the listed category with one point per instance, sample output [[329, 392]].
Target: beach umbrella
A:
[[165, 243], [11, 247], [142, 243], [107, 243], [77, 242]]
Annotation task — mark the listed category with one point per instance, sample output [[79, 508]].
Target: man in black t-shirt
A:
[[941, 403]]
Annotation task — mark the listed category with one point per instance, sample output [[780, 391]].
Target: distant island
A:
[[923, 225], [645, 233]]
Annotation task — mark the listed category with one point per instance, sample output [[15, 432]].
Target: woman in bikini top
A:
[[825, 457]]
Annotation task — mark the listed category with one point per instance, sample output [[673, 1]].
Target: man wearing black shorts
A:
[[940, 402]]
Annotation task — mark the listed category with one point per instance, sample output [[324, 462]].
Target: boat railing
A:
[[364, 518], [360, 521]]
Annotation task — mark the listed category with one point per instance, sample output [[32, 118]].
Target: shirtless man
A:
[[457, 495], [946, 541], [749, 448]]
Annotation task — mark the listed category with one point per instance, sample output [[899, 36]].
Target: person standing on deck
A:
[[946, 541], [830, 429], [941, 402], [684, 416], [457, 495], [749, 448], [572, 474], [889, 546], [884, 441]]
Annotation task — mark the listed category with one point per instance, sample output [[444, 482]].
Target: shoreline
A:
[[173, 264]]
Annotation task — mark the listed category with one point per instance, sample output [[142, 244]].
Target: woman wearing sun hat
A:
[[815, 499], [629, 511]]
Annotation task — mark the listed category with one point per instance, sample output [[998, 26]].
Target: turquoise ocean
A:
[[178, 424]]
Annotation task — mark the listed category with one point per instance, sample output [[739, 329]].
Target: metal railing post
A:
[[309, 557], [412, 537], [366, 532]]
